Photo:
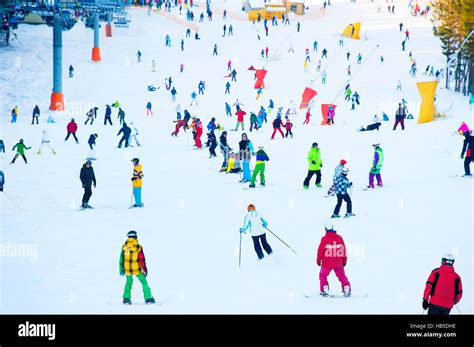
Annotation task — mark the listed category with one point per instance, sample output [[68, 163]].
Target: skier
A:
[[359, 59], [167, 41], [197, 129], [315, 46], [36, 114], [125, 131], [71, 71], [324, 53], [45, 142], [20, 150], [348, 94], [87, 178], [443, 288], [349, 70], [2, 147], [330, 115], [121, 116], [228, 110], [323, 77], [468, 150], [240, 119], [233, 74], [91, 115], [261, 157], [182, 44], [399, 85], [179, 123], [277, 123], [225, 30], [341, 41], [257, 225], [225, 149], [271, 106], [173, 94], [137, 181], [288, 127], [153, 64], [15, 113], [400, 116], [403, 45], [133, 263], [227, 88], [253, 121], [148, 109], [71, 130], [407, 34], [214, 52], [337, 173], [341, 185], [376, 166], [2, 180], [91, 141], [201, 87], [356, 97], [134, 135], [245, 155], [332, 255], [266, 52], [315, 165], [193, 98], [181, 67], [381, 60], [139, 56], [401, 26], [308, 115], [298, 25], [108, 115]]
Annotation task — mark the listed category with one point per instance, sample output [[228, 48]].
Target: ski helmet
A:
[[132, 234], [448, 259], [329, 225], [345, 171], [251, 207], [135, 160], [315, 144], [21, 140]]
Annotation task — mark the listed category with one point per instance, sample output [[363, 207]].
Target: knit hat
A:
[[251, 207], [329, 226], [132, 234], [135, 160], [343, 162]]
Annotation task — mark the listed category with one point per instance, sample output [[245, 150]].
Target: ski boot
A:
[[319, 185], [252, 185], [325, 291], [262, 184], [349, 215], [306, 187], [149, 301], [347, 291], [380, 184], [335, 216], [127, 301], [370, 186]]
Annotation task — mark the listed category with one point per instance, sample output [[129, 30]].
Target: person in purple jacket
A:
[[376, 166], [331, 115]]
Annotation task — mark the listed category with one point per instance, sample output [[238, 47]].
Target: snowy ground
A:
[[189, 227]]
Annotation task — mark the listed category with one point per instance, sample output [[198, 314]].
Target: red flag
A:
[[308, 94]]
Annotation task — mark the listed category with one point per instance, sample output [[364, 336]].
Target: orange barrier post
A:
[[57, 102]]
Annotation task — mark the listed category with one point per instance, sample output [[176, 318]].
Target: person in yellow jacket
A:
[[133, 263], [137, 181]]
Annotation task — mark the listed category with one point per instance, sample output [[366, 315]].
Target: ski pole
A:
[[240, 248], [457, 308], [281, 241], [14, 203]]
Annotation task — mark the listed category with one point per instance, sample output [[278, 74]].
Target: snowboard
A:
[[336, 296]]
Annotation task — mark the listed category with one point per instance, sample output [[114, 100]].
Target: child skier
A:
[[443, 288], [376, 166], [257, 225], [330, 115], [315, 165], [332, 255], [288, 127], [45, 142], [133, 263], [137, 181], [342, 184], [20, 150], [261, 157]]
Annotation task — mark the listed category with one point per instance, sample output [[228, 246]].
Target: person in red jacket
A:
[[179, 124], [71, 130], [308, 114], [332, 255], [240, 119], [443, 289], [197, 138]]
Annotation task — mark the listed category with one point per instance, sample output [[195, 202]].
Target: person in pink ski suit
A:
[[463, 128], [331, 115], [332, 255]]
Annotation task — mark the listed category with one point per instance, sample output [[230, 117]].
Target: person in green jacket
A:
[[121, 116], [376, 166], [261, 157], [20, 150], [315, 165], [253, 121]]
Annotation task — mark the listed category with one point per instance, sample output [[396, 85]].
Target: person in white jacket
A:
[[45, 142], [255, 222], [133, 135]]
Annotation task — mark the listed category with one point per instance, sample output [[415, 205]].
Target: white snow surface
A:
[[189, 227]]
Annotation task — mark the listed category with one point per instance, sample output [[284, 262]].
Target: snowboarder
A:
[[341, 185], [468, 150], [133, 263], [400, 116], [36, 114], [315, 165], [261, 157], [359, 59], [376, 166], [443, 288], [308, 115], [125, 131], [298, 25], [403, 45], [348, 94], [137, 181], [253, 121], [401, 26], [45, 142], [332, 255], [180, 123], [257, 225], [20, 150], [87, 178], [277, 123], [91, 115], [71, 130]]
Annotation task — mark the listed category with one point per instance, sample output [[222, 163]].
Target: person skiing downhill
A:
[[132, 263], [468, 150], [87, 178], [71, 130], [137, 181], [443, 288], [45, 142], [257, 224], [261, 157], [376, 166], [315, 165], [332, 255], [342, 184], [20, 150]]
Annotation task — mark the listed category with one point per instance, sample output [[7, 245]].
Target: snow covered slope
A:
[[189, 227]]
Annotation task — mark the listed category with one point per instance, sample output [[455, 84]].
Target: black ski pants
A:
[[256, 244]]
